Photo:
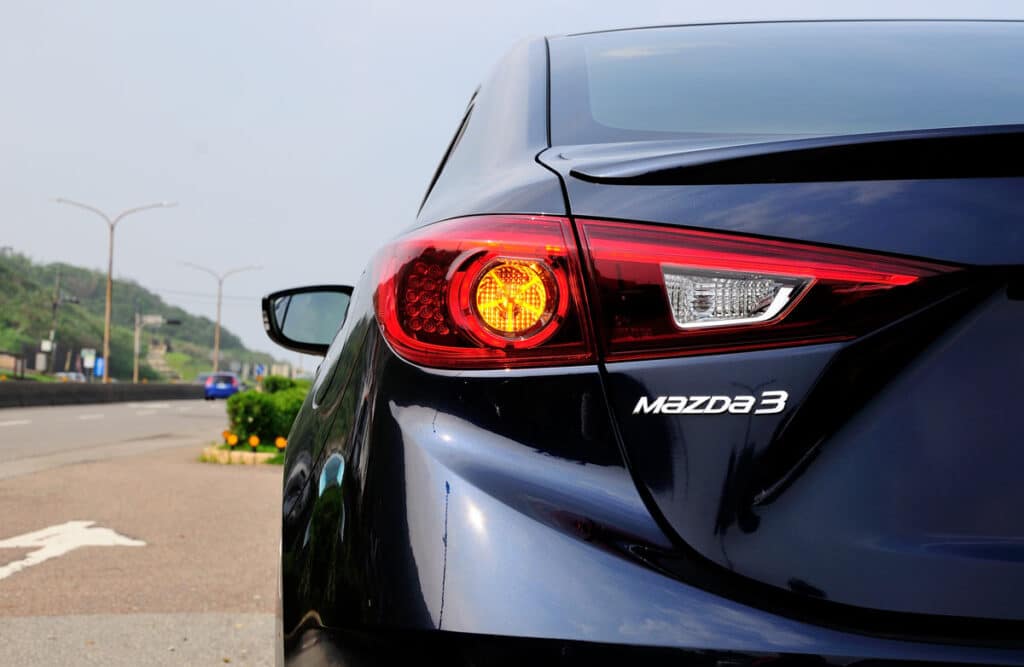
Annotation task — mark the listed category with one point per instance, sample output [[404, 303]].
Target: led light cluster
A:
[[422, 290], [719, 298]]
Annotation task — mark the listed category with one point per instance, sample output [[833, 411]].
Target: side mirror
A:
[[306, 319]]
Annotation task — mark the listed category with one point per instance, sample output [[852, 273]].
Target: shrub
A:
[[275, 383], [286, 406], [251, 413], [266, 415]]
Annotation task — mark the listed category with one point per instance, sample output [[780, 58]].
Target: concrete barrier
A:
[[14, 393]]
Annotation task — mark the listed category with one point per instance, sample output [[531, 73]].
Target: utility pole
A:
[[220, 293], [111, 224], [53, 326], [58, 298], [138, 335]]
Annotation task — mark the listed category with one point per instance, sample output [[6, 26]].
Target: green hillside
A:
[[26, 294]]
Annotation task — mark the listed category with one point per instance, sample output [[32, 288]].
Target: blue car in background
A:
[[220, 385]]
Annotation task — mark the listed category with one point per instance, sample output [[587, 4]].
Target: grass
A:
[[187, 366], [34, 377], [262, 448]]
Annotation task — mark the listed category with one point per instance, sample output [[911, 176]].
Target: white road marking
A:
[[92, 416], [59, 540], [185, 408], [16, 422], [147, 404], [143, 413]]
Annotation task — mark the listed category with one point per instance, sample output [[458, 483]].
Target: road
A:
[[148, 556], [36, 439]]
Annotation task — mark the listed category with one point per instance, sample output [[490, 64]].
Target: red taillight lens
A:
[[507, 290], [485, 292], [234, 382], [668, 291], [209, 381]]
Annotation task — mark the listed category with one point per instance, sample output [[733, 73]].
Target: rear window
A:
[[788, 79], [226, 379]]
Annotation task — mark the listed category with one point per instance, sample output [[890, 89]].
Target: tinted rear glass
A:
[[785, 79]]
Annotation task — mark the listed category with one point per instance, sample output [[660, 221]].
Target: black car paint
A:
[[498, 506]]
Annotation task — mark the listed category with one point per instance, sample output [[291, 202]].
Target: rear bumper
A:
[[472, 517], [220, 393], [356, 648]]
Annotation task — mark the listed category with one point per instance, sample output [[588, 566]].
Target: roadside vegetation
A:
[[266, 412], [26, 317], [35, 377]]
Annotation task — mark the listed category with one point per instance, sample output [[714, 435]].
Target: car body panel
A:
[[910, 491], [492, 167], [480, 534], [723, 482], [969, 221]]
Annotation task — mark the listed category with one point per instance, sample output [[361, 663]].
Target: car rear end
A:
[[220, 385], [876, 465], [751, 398]]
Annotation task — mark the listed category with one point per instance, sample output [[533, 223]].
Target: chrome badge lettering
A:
[[768, 403]]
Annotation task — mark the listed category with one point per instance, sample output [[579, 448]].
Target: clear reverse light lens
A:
[[702, 299]]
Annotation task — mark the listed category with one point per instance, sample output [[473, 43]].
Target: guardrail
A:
[[15, 393]]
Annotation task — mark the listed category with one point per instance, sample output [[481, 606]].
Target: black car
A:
[[705, 348]]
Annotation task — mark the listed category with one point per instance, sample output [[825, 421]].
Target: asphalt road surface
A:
[[118, 548]]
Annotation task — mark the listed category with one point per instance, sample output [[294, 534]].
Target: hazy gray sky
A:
[[298, 136]]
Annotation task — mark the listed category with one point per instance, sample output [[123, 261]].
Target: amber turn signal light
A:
[[514, 298]]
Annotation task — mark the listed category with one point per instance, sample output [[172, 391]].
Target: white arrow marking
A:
[[59, 540]]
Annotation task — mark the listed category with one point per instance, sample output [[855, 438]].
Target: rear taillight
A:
[[209, 381], [234, 382], [667, 291], [506, 291], [485, 292]]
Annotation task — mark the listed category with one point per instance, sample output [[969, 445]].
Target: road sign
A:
[[45, 345], [98, 368], [88, 357], [261, 370]]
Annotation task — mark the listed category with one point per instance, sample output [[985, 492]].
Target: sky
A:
[[294, 136]]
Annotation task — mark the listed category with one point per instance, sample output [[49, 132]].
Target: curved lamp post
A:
[[111, 224], [220, 290]]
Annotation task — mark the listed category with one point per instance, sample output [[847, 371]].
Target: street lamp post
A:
[[111, 224], [220, 293]]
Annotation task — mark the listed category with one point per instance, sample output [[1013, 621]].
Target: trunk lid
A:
[[889, 480]]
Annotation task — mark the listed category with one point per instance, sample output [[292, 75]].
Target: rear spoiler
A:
[[963, 152]]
